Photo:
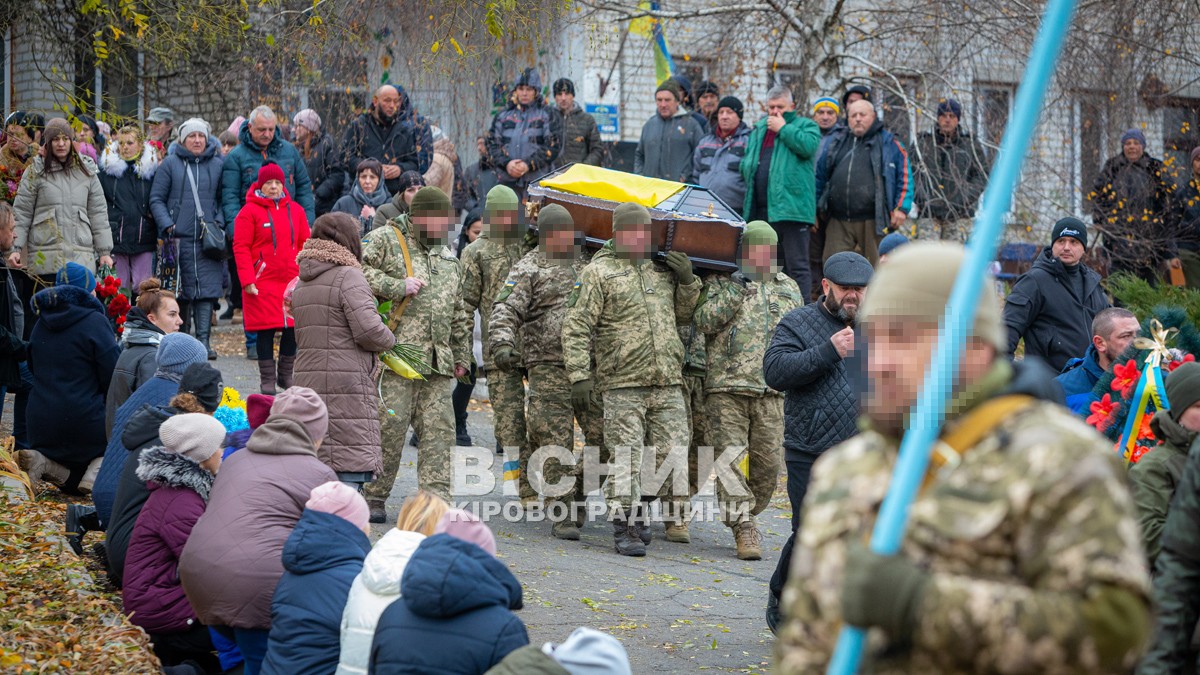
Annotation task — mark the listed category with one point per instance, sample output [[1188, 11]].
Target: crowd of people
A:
[[253, 547]]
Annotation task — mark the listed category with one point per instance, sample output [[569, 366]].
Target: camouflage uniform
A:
[[434, 321], [529, 311], [695, 365], [1031, 544], [738, 321], [486, 263], [631, 310]]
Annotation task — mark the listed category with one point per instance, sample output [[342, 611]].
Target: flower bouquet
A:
[[404, 360], [10, 180], [116, 302]]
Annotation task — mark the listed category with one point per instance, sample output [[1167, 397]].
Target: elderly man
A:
[[525, 137], [864, 184], [259, 142], [669, 138], [391, 133], [1022, 552], [1134, 206], [807, 361], [952, 174], [1053, 304], [160, 127], [1113, 330], [719, 156], [778, 170], [708, 98]]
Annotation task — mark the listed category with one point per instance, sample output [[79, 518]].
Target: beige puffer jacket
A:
[[61, 217]]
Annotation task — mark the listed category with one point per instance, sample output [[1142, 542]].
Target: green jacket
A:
[[738, 322], [528, 660], [791, 183], [633, 311], [434, 319], [1154, 479], [485, 264]]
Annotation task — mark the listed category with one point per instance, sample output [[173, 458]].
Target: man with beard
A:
[[392, 133], [807, 361]]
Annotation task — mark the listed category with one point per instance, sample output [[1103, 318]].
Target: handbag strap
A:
[[195, 192]]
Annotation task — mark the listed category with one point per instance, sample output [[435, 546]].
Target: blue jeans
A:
[[253, 645]]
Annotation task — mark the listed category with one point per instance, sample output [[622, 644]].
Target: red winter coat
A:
[[266, 238]]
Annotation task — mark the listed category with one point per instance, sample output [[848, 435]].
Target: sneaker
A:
[[748, 540], [378, 510], [678, 533]]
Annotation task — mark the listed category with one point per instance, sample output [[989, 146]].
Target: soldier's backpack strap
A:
[[972, 428], [398, 309]]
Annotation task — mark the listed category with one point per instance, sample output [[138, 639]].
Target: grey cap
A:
[[848, 269], [160, 115], [891, 243]]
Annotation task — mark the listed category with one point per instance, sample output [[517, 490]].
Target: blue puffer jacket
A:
[[1078, 379], [320, 560], [532, 133], [454, 613], [240, 171], [717, 163]]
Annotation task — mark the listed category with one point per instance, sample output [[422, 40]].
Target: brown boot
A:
[[748, 540], [677, 531], [40, 467], [266, 376], [286, 363]]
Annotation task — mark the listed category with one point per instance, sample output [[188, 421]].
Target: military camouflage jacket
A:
[[531, 307], [738, 322], [1031, 542], [434, 319], [486, 263], [633, 311]]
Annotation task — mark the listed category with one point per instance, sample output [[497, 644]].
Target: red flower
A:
[[1144, 432], [1138, 452], [1125, 377], [1102, 413], [1187, 358]]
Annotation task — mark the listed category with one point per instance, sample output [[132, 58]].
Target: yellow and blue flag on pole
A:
[[652, 28]]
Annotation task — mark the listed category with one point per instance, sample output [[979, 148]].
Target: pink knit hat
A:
[[235, 127], [303, 405], [258, 409], [464, 525], [340, 500]]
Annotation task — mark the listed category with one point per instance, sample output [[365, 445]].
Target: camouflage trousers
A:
[[753, 423], [693, 400], [507, 392], [425, 404], [552, 420], [637, 419], [934, 229]]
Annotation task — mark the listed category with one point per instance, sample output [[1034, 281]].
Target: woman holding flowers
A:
[[339, 335]]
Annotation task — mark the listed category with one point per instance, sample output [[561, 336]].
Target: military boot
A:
[[748, 540], [378, 510], [563, 524], [677, 532], [626, 540]]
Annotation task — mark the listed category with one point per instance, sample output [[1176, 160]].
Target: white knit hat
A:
[[193, 435], [192, 126]]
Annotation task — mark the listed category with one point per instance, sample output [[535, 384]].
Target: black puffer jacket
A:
[[821, 408], [127, 191], [140, 433], [325, 170], [1045, 308]]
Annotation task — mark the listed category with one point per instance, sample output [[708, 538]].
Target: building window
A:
[[695, 69], [1091, 124], [790, 77], [1181, 133], [994, 106], [896, 100]]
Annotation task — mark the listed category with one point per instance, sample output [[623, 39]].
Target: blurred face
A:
[[1190, 419], [272, 189], [526, 94], [60, 147], [564, 100], [8, 232], [502, 225], [128, 147], [708, 103], [160, 131], [196, 142], [262, 131], [17, 140], [825, 117], [85, 135], [481, 145], [862, 116], [411, 192], [842, 301], [435, 227], [474, 230], [632, 242], [1067, 249], [226, 148], [727, 120], [1133, 150], [559, 244], [778, 106], [387, 101], [167, 317], [759, 261], [948, 123], [1124, 332], [666, 104], [368, 181]]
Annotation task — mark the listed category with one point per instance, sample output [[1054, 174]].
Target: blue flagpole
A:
[[926, 419]]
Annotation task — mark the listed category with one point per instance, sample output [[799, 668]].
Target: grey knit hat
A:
[[177, 351], [194, 435]]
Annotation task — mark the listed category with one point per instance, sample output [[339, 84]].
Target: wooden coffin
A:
[[686, 218]]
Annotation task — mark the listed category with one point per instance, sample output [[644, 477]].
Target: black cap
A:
[[204, 382], [563, 86], [706, 87], [411, 179], [734, 104], [856, 89], [1070, 227], [848, 269]]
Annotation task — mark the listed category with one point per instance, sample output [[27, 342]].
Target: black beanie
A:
[[1183, 388], [856, 89], [563, 86], [1070, 227], [204, 382], [706, 87], [734, 104]]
